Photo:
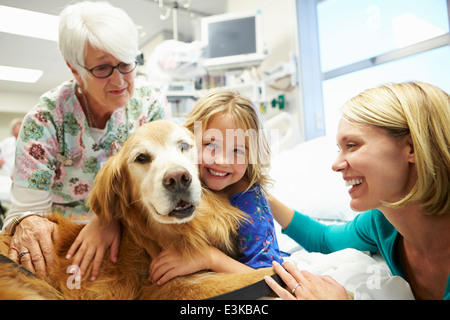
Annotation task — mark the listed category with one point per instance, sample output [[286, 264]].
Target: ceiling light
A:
[[29, 23], [20, 74]]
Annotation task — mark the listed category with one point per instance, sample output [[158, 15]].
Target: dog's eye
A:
[[185, 146], [143, 158]]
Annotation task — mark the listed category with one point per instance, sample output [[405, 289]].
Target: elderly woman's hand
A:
[[32, 244], [303, 285]]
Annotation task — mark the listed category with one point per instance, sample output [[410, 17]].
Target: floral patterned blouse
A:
[[55, 150]]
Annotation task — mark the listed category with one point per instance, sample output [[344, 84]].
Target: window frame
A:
[[311, 75]]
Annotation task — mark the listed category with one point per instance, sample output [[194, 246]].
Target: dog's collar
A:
[[6, 260]]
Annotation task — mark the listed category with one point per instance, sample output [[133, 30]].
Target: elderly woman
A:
[[394, 154], [67, 137]]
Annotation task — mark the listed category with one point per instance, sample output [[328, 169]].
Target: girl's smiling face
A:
[[378, 167], [224, 156]]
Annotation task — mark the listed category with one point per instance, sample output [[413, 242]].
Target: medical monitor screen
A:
[[232, 37]]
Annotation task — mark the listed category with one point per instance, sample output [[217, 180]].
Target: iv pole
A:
[[175, 20]]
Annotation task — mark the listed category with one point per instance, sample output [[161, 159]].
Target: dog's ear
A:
[[109, 195]]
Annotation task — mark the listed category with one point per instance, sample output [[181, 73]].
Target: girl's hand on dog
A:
[[92, 243], [170, 264]]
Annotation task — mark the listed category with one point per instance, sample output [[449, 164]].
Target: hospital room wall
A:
[[280, 33], [14, 105], [281, 37]]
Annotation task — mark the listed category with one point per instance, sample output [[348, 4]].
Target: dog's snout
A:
[[177, 178]]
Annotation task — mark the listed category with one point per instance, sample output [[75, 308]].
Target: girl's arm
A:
[[170, 264], [280, 212], [317, 237]]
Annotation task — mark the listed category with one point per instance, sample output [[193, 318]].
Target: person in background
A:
[[67, 137], [8, 147], [394, 143], [7, 152]]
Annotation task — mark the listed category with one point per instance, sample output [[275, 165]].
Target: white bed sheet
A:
[[368, 278]]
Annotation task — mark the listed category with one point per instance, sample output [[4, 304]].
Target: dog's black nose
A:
[[177, 179]]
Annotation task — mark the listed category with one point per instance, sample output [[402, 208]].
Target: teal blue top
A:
[[368, 231]]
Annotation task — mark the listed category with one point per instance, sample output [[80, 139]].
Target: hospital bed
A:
[[303, 180]]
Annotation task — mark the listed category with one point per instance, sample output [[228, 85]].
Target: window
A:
[[365, 43], [431, 66], [354, 30]]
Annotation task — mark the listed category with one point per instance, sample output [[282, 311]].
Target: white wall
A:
[[280, 33], [14, 105]]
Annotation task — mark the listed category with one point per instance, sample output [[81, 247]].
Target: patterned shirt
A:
[[257, 236], [56, 152]]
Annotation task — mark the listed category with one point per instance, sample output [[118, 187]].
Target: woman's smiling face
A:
[[378, 167], [112, 92]]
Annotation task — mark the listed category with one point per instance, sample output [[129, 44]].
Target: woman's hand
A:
[[33, 236], [92, 243], [305, 285], [170, 264]]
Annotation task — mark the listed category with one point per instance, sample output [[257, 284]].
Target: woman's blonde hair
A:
[[423, 111], [218, 102]]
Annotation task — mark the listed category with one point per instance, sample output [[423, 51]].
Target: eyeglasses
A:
[[104, 70]]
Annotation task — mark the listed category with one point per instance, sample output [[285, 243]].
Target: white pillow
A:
[[304, 180]]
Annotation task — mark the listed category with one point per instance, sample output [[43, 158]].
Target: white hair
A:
[[101, 25]]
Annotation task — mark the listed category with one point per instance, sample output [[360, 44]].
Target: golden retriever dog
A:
[[152, 187]]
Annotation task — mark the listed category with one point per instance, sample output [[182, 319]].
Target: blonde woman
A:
[[234, 158], [394, 154]]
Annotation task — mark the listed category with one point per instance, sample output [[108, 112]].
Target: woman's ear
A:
[[76, 74], [411, 154]]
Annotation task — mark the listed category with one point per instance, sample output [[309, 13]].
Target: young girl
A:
[[234, 160]]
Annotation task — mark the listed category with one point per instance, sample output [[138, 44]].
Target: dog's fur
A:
[[151, 186]]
